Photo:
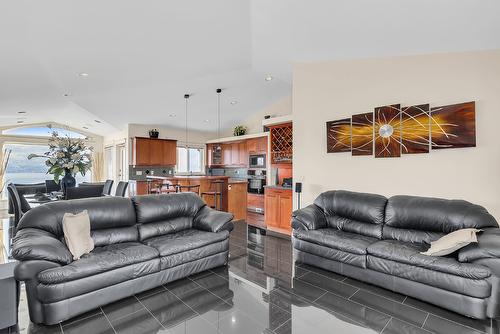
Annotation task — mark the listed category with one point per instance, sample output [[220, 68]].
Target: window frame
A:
[[202, 160]]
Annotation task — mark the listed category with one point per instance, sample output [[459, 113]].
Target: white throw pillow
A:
[[76, 228], [452, 242]]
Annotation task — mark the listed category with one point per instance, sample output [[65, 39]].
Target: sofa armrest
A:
[[34, 244], [210, 220], [311, 217], [487, 247], [28, 270]]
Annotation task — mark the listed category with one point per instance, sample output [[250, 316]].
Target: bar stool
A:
[[195, 188], [216, 195], [167, 187]]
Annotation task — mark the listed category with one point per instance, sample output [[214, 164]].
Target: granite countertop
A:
[[278, 187], [188, 177]]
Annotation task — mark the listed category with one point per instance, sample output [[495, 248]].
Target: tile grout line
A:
[[105, 316], [353, 294], [425, 320], [150, 312], [387, 324]]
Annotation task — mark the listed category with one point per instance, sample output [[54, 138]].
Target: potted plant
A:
[[240, 130], [67, 156]]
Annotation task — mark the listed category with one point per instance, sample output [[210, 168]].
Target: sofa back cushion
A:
[[353, 212], [164, 214], [425, 219], [112, 219]]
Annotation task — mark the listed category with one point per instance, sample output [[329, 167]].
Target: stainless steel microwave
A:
[[257, 161]]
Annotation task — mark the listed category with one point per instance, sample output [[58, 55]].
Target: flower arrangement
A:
[[66, 155]]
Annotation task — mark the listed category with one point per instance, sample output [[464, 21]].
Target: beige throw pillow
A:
[[452, 241], [76, 228]]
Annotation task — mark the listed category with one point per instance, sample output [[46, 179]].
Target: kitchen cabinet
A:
[[214, 155], [154, 152], [237, 202], [232, 154], [257, 145], [278, 209]]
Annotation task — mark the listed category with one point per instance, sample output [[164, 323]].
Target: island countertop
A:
[[188, 177]]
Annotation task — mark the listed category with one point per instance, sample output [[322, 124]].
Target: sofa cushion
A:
[[358, 260], [184, 240], [405, 214], [333, 238], [194, 254], [353, 212], [479, 288], [100, 260], [409, 253]]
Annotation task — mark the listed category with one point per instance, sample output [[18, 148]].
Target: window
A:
[[22, 170], [190, 160], [41, 131], [108, 160]]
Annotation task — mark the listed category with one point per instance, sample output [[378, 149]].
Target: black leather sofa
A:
[[140, 243], [379, 240]]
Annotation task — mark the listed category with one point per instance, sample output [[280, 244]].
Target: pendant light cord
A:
[[218, 112], [186, 97]]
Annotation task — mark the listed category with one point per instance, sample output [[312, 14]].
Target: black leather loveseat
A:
[[140, 243], [379, 240]]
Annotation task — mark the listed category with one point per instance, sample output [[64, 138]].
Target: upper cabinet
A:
[[257, 145], [281, 144], [154, 152], [235, 154]]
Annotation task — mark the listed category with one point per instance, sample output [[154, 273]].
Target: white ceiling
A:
[[142, 56]]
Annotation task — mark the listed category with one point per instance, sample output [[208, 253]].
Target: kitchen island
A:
[[233, 190]]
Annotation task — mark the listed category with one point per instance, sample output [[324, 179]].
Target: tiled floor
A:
[[261, 291]]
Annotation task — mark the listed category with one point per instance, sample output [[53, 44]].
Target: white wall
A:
[[326, 91], [254, 123], [194, 137]]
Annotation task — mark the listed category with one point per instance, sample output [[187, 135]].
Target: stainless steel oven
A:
[[257, 161], [256, 181]]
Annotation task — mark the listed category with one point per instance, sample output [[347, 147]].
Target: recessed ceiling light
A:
[[206, 121], [269, 78], [83, 74], [234, 102], [97, 121], [20, 122], [22, 112], [172, 115], [85, 127], [66, 94]]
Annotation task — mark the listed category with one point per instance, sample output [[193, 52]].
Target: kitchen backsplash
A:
[[237, 173], [139, 173]]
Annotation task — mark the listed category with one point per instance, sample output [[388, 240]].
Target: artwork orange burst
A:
[[454, 126], [387, 131], [407, 130], [338, 134], [362, 134], [415, 129]]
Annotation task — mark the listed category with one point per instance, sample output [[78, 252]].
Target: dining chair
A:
[[121, 189], [108, 185], [26, 189], [86, 191], [51, 185], [16, 203]]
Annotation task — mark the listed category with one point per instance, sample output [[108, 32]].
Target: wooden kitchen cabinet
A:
[[237, 202], [278, 209], [257, 145], [154, 152]]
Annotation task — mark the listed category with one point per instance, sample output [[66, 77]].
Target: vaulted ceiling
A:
[[141, 57]]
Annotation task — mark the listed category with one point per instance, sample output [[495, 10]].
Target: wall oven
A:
[[257, 161], [256, 181]]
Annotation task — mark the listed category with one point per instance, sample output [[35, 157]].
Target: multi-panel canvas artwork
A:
[[338, 136], [362, 134], [387, 131], [392, 130]]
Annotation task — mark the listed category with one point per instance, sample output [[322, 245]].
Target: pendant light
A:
[[186, 99], [218, 111]]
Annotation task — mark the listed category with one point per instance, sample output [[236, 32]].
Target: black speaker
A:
[[298, 187]]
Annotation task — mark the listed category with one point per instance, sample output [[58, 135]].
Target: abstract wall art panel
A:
[[338, 134], [453, 126], [387, 121], [415, 129], [362, 134]]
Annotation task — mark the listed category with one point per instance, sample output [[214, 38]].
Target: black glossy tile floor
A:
[[262, 291]]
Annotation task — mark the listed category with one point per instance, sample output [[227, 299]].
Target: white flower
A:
[[52, 160]]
